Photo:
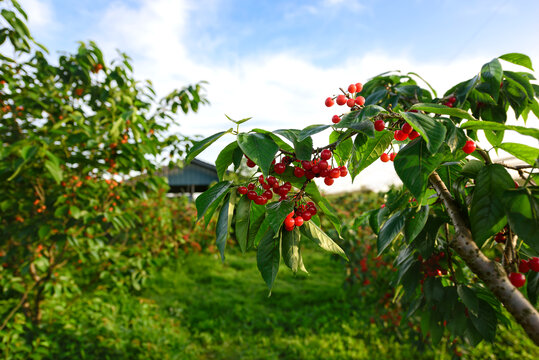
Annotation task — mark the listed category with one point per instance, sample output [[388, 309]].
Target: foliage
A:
[[82, 204], [449, 202]]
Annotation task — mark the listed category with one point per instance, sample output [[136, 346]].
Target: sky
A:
[[277, 61]]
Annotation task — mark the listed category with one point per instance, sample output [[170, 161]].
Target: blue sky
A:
[[277, 60]]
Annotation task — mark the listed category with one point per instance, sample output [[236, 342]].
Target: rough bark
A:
[[491, 273]]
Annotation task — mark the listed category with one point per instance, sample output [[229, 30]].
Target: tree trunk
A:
[[491, 273]]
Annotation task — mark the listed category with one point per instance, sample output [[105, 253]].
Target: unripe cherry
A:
[[335, 119], [352, 88], [379, 125], [360, 101], [350, 102], [384, 157], [341, 100], [325, 154], [329, 102], [328, 181]]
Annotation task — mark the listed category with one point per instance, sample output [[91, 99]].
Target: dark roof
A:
[[196, 173]]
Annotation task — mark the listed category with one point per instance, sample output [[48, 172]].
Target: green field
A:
[[199, 308]]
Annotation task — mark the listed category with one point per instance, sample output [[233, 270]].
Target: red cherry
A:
[[534, 264], [260, 200], [289, 228], [392, 156], [310, 204], [307, 165], [384, 157], [251, 194], [335, 119], [309, 175], [328, 181], [523, 266], [448, 104], [268, 194], [251, 186], [359, 87], [341, 100], [325, 154], [271, 180], [323, 165], [289, 222], [306, 215], [261, 179], [452, 99], [299, 172], [379, 125], [413, 135], [407, 128], [518, 280], [329, 102], [335, 173], [290, 215], [287, 186], [352, 88], [279, 168], [316, 169], [469, 147], [324, 173], [251, 163], [400, 135], [360, 101], [298, 221], [343, 170], [350, 102], [242, 190]]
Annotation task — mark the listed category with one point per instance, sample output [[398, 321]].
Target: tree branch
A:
[[488, 271]]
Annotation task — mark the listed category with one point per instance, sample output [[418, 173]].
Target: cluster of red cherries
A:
[[518, 279], [269, 186], [300, 215], [351, 99], [431, 267]]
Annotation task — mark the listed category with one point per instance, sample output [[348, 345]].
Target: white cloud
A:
[[40, 14], [279, 90]]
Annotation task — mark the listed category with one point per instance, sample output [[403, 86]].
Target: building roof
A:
[[197, 173]]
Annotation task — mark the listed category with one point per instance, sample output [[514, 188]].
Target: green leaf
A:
[[443, 110], [314, 233], [472, 168], [260, 148], [276, 213], [268, 257], [390, 230], [222, 227], [225, 159], [487, 215], [491, 73], [372, 149], [304, 148], [44, 230], [311, 130], [522, 209], [280, 142], [290, 249], [469, 298], [518, 59], [238, 122], [414, 164], [523, 152], [522, 81], [210, 197], [486, 321], [326, 208], [55, 170], [201, 145], [432, 131], [489, 125], [28, 152], [415, 222], [243, 212]]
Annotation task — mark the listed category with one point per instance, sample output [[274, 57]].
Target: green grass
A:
[[227, 311]]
